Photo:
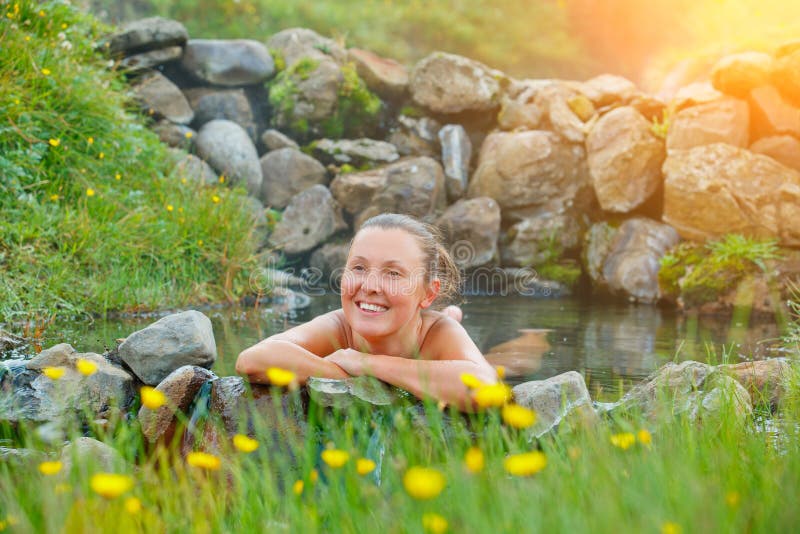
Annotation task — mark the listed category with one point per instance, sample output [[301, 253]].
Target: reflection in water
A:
[[613, 344]]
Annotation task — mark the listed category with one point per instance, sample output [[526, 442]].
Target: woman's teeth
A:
[[372, 307]]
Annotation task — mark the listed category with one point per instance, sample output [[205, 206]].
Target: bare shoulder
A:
[[322, 335], [446, 339]]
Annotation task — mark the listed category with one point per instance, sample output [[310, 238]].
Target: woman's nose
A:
[[372, 282]]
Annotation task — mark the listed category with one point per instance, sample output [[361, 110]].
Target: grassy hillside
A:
[[90, 218]]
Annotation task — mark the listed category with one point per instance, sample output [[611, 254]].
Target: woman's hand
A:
[[351, 361]]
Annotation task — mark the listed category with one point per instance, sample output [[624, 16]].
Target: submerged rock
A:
[[330, 392], [560, 399]]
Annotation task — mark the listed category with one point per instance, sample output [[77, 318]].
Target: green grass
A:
[[92, 220]]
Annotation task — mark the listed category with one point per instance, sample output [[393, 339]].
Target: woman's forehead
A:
[[386, 246]]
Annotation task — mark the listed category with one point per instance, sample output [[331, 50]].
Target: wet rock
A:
[[784, 149], [148, 60], [91, 453], [447, 83], [286, 173], [597, 246], [228, 62], [470, 229], [456, 154], [9, 341], [147, 34], [609, 89], [155, 92], [721, 121], [329, 392], [228, 104], [718, 189], [386, 77], [416, 136], [354, 151], [195, 169], [540, 239], [227, 147], [174, 135], [563, 398], [23, 458], [764, 380], [180, 387], [738, 74], [311, 217], [771, 114], [328, 261], [274, 140], [294, 44], [625, 159], [786, 72], [179, 339]]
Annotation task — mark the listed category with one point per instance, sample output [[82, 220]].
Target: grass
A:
[[92, 219]]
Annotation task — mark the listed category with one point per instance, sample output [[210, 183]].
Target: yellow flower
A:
[[471, 381], [199, 242], [53, 373], [54, 197], [364, 466], [280, 377], [203, 460], [170, 207], [41, 13], [525, 464], [183, 180], [222, 179], [335, 458], [297, 488], [133, 505], [501, 371], [623, 440], [110, 485], [644, 437], [732, 498], [46, 71], [434, 523], [90, 140], [244, 443], [27, 37], [54, 142], [188, 135], [152, 398], [670, 528], [423, 482], [314, 476], [50, 468], [89, 192], [86, 367], [118, 176], [473, 460], [492, 395], [215, 199], [101, 155], [518, 416], [64, 26]]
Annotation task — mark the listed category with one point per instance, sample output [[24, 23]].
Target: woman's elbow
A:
[[248, 362]]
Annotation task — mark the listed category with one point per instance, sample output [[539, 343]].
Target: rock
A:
[[771, 114], [786, 73], [597, 246], [303, 97], [530, 169], [720, 121], [148, 60], [147, 34], [513, 281], [354, 151], [21, 458], [328, 261], [287, 172], [738, 74], [226, 147], [562, 398], [559, 116], [784, 149], [384, 76], [625, 159], [416, 136], [155, 92], [195, 169], [227, 104], [447, 83], [9, 341], [180, 387], [764, 380], [174, 135], [718, 189], [273, 140], [540, 239], [609, 89], [695, 94], [456, 154], [90, 453], [354, 190], [228, 62], [470, 228], [311, 217], [650, 107], [179, 339], [519, 107], [329, 392], [295, 44]]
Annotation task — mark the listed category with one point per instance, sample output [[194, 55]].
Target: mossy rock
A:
[[566, 272]]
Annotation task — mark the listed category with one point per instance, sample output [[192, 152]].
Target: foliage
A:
[[566, 272], [92, 219], [660, 128]]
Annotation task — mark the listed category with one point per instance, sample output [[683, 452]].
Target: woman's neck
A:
[[404, 343]]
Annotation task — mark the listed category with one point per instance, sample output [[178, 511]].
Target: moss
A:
[[356, 107], [278, 59], [674, 265], [412, 111], [566, 272], [303, 68]]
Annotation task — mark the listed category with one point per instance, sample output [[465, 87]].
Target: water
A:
[[613, 344]]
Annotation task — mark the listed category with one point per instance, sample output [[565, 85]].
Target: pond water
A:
[[613, 344]]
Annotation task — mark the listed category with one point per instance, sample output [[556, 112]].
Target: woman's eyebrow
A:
[[387, 262]]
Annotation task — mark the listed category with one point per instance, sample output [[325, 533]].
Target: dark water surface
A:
[[613, 344]]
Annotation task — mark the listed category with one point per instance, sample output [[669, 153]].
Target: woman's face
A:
[[384, 284]]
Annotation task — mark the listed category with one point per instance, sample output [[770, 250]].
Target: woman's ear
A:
[[431, 292]]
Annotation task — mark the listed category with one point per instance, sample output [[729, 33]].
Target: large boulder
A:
[[273, 140], [519, 107], [416, 136], [145, 61], [355, 151], [385, 76], [562, 398], [328, 261], [162, 98], [288, 172], [311, 217], [625, 159], [786, 72], [147, 34], [608, 90], [228, 62], [765, 380], [190, 167], [456, 154], [540, 239], [470, 228], [179, 339], [717, 189], [772, 114], [738, 74], [174, 135], [726, 120], [785, 149], [334, 393], [227, 147], [565, 111], [294, 44], [228, 104], [9, 341], [447, 83]]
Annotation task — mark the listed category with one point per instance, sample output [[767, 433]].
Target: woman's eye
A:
[[394, 274], [357, 268]]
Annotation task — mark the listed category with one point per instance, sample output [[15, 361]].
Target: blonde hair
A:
[[438, 262]]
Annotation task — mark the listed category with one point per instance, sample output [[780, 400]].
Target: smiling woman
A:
[[396, 272]]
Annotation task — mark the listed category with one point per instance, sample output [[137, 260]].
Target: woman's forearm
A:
[[255, 361]]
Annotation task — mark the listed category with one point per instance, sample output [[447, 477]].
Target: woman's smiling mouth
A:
[[371, 308]]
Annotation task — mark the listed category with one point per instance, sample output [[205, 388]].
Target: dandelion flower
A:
[[280, 377], [86, 367], [473, 460], [244, 443], [64, 26], [492, 395], [215, 199], [423, 482], [732, 498], [434, 523], [41, 13], [335, 458], [110, 485], [670, 528], [297, 487], [54, 197], [314, 476], [101, 155], [501, 371], [188, 135], [133, 505], [222, 179], [525, 464], [54, 142], [152, 398], [118, 176], [90, 140], [183, 180], [644, 437], [53, 373], [203, 460], [89, 192], [50, 468], [518, 416], [471, 381], [170, 207], [199, 242], [46, 71], [364, 466], [623, 440]]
